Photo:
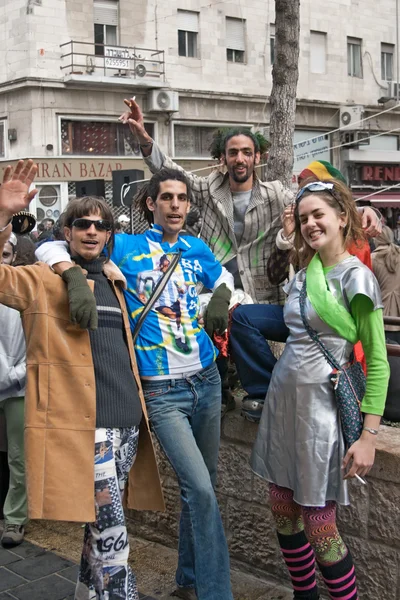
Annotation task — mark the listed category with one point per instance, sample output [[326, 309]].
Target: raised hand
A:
[[134, 118], [14, 191]]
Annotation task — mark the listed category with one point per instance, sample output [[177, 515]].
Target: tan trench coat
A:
[[60, 405]]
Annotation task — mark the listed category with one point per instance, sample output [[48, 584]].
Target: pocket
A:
[[43, 387], [211, 375], [152, 392]]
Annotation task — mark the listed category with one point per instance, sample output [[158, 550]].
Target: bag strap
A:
[[159, 288], [311, 332]]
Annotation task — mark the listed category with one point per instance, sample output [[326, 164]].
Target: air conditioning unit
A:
[[162, 101], [392, 89], [351, 117]]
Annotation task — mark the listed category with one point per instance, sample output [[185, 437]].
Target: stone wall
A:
[[370, 526]]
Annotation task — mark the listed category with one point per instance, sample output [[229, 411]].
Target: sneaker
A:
[[252, 409], [13, 535], [185, 593]]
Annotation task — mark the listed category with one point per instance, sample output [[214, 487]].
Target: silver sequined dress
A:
[[300, 444]]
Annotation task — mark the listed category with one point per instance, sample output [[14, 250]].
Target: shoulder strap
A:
[[156, 294], [311, 332]]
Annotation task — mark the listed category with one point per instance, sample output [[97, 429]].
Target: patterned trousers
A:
[[104, 572]]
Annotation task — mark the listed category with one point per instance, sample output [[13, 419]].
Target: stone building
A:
[[193, 65]]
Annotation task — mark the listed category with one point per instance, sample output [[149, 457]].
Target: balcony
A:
[[90, 63]]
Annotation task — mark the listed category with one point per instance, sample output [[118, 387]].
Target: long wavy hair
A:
[[341, 200], [391, 257]]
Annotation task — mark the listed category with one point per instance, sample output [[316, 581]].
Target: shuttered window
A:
[[235, 39], [188, 20], [188, 27], [106, 12]]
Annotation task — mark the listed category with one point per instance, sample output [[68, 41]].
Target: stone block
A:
[[252, 537], [48, 588], [39, 566], [387, 461], [353, 519], [238, 429], [259, 490], [165, 522], [384, 513], [234, 473], [376, 569]]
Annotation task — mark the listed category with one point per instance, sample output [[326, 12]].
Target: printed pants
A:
[[104, 572]]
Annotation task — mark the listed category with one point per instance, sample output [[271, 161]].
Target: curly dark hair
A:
[[341, 200], [152, 188]]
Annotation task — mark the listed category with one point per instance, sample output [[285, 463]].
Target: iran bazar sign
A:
[[82, 169]]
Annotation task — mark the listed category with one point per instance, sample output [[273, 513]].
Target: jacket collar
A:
[[112, 272]]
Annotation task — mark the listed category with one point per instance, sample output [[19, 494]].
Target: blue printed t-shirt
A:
[[170, 340]]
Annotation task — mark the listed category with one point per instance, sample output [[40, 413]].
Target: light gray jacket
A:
[[12, 354]]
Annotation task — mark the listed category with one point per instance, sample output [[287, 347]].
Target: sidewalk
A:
[[37, 569]]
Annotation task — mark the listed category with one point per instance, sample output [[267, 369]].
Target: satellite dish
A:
[[163, 100], [140, 70]]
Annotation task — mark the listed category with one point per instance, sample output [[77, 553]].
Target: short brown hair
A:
[[339, 198], [82, 207]]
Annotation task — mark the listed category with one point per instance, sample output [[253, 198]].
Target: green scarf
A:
[[325, 304]]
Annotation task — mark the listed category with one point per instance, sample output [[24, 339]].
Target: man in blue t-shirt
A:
[[176, 361]]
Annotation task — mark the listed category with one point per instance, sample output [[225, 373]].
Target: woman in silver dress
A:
[[300, 447]]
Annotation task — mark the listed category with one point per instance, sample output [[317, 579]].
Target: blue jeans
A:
[[252, 326], [185, 415]]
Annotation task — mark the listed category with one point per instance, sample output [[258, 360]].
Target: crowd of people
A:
[[125, 352]]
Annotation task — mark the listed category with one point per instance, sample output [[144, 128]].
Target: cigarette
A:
[[360, 479]]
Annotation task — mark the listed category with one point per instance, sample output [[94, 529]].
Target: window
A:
[[188, 28], [105, 25], [195, 140], [317, 52], [387, 54], [354, 64], [97, 138], [235, 37], [272, 43]]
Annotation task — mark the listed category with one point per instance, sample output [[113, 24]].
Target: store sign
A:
[[78, 169], [382, 173], [308, 146], [116, 57]]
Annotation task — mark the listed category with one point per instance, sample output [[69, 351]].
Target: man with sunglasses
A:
[[84, 403], [176, 361]]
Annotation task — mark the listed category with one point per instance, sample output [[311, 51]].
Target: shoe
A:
[[228, 402], [252, 409], [13, 535], [185, 593]]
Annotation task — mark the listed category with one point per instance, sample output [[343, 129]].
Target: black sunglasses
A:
[[101, 224]]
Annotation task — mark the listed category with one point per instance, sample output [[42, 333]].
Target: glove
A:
[[216, 317], [82, 303]]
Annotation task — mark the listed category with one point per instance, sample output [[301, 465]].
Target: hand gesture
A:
[[359, 458], [134, 117], [371, 222], [14, 191], [287, 219]]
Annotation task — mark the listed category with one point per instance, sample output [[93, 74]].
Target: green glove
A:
[[82, 303], [216, 317]]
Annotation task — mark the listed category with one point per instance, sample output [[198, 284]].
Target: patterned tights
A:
[[307, 533]]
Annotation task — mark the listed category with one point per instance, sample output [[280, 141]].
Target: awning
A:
[[381, 199]]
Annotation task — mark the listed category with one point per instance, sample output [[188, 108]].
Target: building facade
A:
[[193, 66]]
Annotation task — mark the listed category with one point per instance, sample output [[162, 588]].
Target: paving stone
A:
[[71, 573], [7, 557], [7, 596], [39, 566], [26, 550], [9, 580], [47, 588]]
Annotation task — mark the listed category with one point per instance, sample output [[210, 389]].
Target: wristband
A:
[[373, 431]]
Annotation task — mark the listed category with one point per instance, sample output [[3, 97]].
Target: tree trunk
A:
[[285, 74]]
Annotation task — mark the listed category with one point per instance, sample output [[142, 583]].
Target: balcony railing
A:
[[88, 58]]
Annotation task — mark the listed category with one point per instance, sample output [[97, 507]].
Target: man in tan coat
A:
[[84, 404]]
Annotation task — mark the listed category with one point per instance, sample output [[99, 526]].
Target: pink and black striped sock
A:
[[300, 561], [340, 579]]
